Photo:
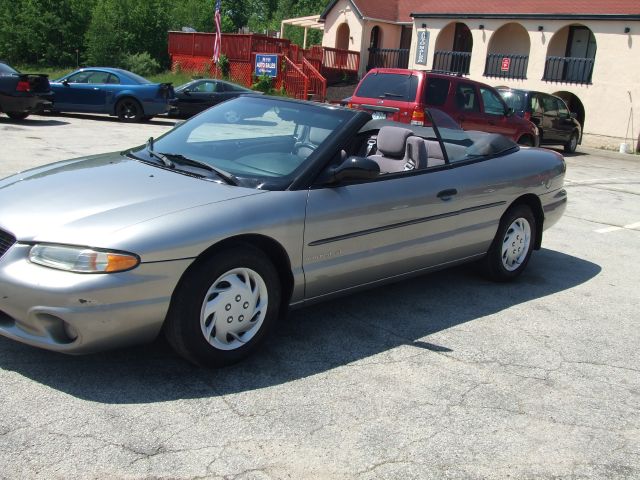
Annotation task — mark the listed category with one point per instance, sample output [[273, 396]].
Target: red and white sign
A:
[[506, 63]]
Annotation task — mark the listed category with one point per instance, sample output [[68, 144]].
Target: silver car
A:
[[212, 231]]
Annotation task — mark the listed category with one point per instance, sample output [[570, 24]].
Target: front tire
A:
[[526, 141], [511, 248], [129, 110], [17, 115], [224, 308], [572, 144]]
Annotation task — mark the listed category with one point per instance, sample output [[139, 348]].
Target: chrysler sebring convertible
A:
[[211, 232]]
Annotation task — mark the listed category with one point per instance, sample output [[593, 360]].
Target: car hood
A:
[[81, 201]]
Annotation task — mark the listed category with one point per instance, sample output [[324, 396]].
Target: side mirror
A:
[[186, 91], [65, 82], [353, 169], [573, 115], [509, 112]]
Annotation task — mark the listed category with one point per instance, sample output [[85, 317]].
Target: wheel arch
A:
[[533, 202], [126, 96], [527, 136], [274, 251]]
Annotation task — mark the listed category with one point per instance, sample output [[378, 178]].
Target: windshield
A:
[[259, 139]]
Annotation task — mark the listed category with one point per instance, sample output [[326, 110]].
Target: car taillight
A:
[[527, 116], [417, 117], [349, 105], [23, 86]]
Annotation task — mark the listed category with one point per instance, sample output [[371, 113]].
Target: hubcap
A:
[[234, 308], [515, 245], [128, 110]]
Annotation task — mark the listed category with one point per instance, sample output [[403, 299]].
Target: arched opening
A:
[[508, 52], [375, 40], [574, 104], [453, 49], [571, 55], [342, 36]]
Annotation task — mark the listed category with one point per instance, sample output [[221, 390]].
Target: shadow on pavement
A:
[[160, 120], [313, 340], [33, 122]]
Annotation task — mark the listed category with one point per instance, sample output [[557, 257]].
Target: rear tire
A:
[[572, 144], [224, 307], [129, 110], [511, 248], [18, 115]]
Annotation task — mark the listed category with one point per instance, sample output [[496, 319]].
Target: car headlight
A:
[[82, 259]]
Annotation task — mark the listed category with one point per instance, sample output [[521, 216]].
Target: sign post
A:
[[266, 64]]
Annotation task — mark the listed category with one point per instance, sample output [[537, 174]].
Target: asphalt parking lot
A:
[[443, 376]]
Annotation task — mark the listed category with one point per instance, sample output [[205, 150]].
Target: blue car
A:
[[124, 94]]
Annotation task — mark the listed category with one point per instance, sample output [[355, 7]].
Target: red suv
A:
[[402, 95]]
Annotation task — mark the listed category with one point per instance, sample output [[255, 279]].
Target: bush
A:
[[141, 63], [263, 84], [224, 66]]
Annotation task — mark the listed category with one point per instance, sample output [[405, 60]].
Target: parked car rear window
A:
[[437, 91], [392, 86], [4, 68]]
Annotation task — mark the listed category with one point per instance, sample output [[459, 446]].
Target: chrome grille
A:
[[6, 241]]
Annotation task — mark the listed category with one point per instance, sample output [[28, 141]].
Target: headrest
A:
[[317, 135], [391, 141]]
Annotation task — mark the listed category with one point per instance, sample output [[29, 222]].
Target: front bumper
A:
[[83, 313]]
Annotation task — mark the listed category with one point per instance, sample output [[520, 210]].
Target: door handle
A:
[[447, 194]]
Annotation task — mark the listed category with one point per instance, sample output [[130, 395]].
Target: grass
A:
[[177, 78]]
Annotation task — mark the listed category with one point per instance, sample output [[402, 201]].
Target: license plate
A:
[[379, 115]]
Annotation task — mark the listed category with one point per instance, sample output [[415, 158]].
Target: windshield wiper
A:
[[182, 160], [389, 94], [159, 156]]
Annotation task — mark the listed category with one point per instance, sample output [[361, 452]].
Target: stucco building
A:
[[586, 51]]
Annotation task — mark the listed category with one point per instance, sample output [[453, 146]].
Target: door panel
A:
[[358, 234]]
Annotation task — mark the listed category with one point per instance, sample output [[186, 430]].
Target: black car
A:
[[22, 94], [198, 95], [557, 125]]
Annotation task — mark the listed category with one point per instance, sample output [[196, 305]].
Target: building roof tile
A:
[[401, 10]]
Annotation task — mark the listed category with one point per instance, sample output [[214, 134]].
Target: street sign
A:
[[506, 63], [266, 65], [422, 47]]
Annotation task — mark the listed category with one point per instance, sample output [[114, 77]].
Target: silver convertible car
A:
[[212, 231]]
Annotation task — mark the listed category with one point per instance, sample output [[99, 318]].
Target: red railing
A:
[[341, 59], [234, 46], [317, 83], [296, 83], [193, 52]]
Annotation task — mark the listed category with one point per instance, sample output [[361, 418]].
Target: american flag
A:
[[218, 40]]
